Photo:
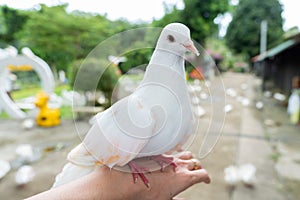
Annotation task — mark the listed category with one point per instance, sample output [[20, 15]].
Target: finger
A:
[[195, 164], [191, 164], [185, 164], [185, 155], [198, 176]]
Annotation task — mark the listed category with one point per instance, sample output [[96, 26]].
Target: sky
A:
[[135, 10]]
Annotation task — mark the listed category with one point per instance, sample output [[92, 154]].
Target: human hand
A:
[[106, 183], [167, 184]]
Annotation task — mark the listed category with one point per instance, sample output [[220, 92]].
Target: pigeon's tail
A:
[[81, 163]]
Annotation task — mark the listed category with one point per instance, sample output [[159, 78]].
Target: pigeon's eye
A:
[[171, 38]]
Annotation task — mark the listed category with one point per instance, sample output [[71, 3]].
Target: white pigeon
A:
[[155, 119]]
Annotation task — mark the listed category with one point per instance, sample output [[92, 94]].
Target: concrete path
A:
[[246, 139], [254, 148]]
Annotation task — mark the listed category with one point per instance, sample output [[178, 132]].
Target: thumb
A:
[[198, 176]]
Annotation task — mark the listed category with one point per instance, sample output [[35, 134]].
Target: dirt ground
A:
[[246, 138]]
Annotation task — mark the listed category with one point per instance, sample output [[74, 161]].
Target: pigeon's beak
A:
[[191, 47]]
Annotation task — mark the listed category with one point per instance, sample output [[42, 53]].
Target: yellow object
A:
[[47, 117], [20, 67]]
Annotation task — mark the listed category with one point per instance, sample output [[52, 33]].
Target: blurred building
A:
[[279, 65]]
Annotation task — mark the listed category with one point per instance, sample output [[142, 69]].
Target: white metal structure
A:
[[9, 57]]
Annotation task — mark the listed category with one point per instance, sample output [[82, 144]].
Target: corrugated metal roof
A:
[[276, 50]]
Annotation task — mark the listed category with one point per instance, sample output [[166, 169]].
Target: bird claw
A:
[[164, 161], [138, 171]]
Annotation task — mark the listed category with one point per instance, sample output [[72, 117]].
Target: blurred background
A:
[[251, 49]]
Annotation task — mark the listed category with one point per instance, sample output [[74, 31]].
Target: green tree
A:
[[243, 33], [11, 21], [198, 15], [138, 46], [60, 37], [93, 75], [172, 14], [136, 58]]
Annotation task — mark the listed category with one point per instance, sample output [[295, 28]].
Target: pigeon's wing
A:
[[115, 138], [117, 135]]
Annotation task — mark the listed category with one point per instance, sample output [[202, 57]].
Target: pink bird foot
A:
[[138, 171], [164, 161]]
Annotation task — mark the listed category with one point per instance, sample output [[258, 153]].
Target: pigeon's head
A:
[[175, 37]]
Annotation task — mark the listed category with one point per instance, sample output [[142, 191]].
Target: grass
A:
[[275, 156], [66, 112], [58, 89], [32, 90], [26, 92], [4, 115]]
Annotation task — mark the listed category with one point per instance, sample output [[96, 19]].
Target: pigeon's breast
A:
[[171, 113]]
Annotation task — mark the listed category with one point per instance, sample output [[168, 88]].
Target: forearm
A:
[[96, 185]]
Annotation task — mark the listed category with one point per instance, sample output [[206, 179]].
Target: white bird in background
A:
[[24, 175], [155, 119]]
